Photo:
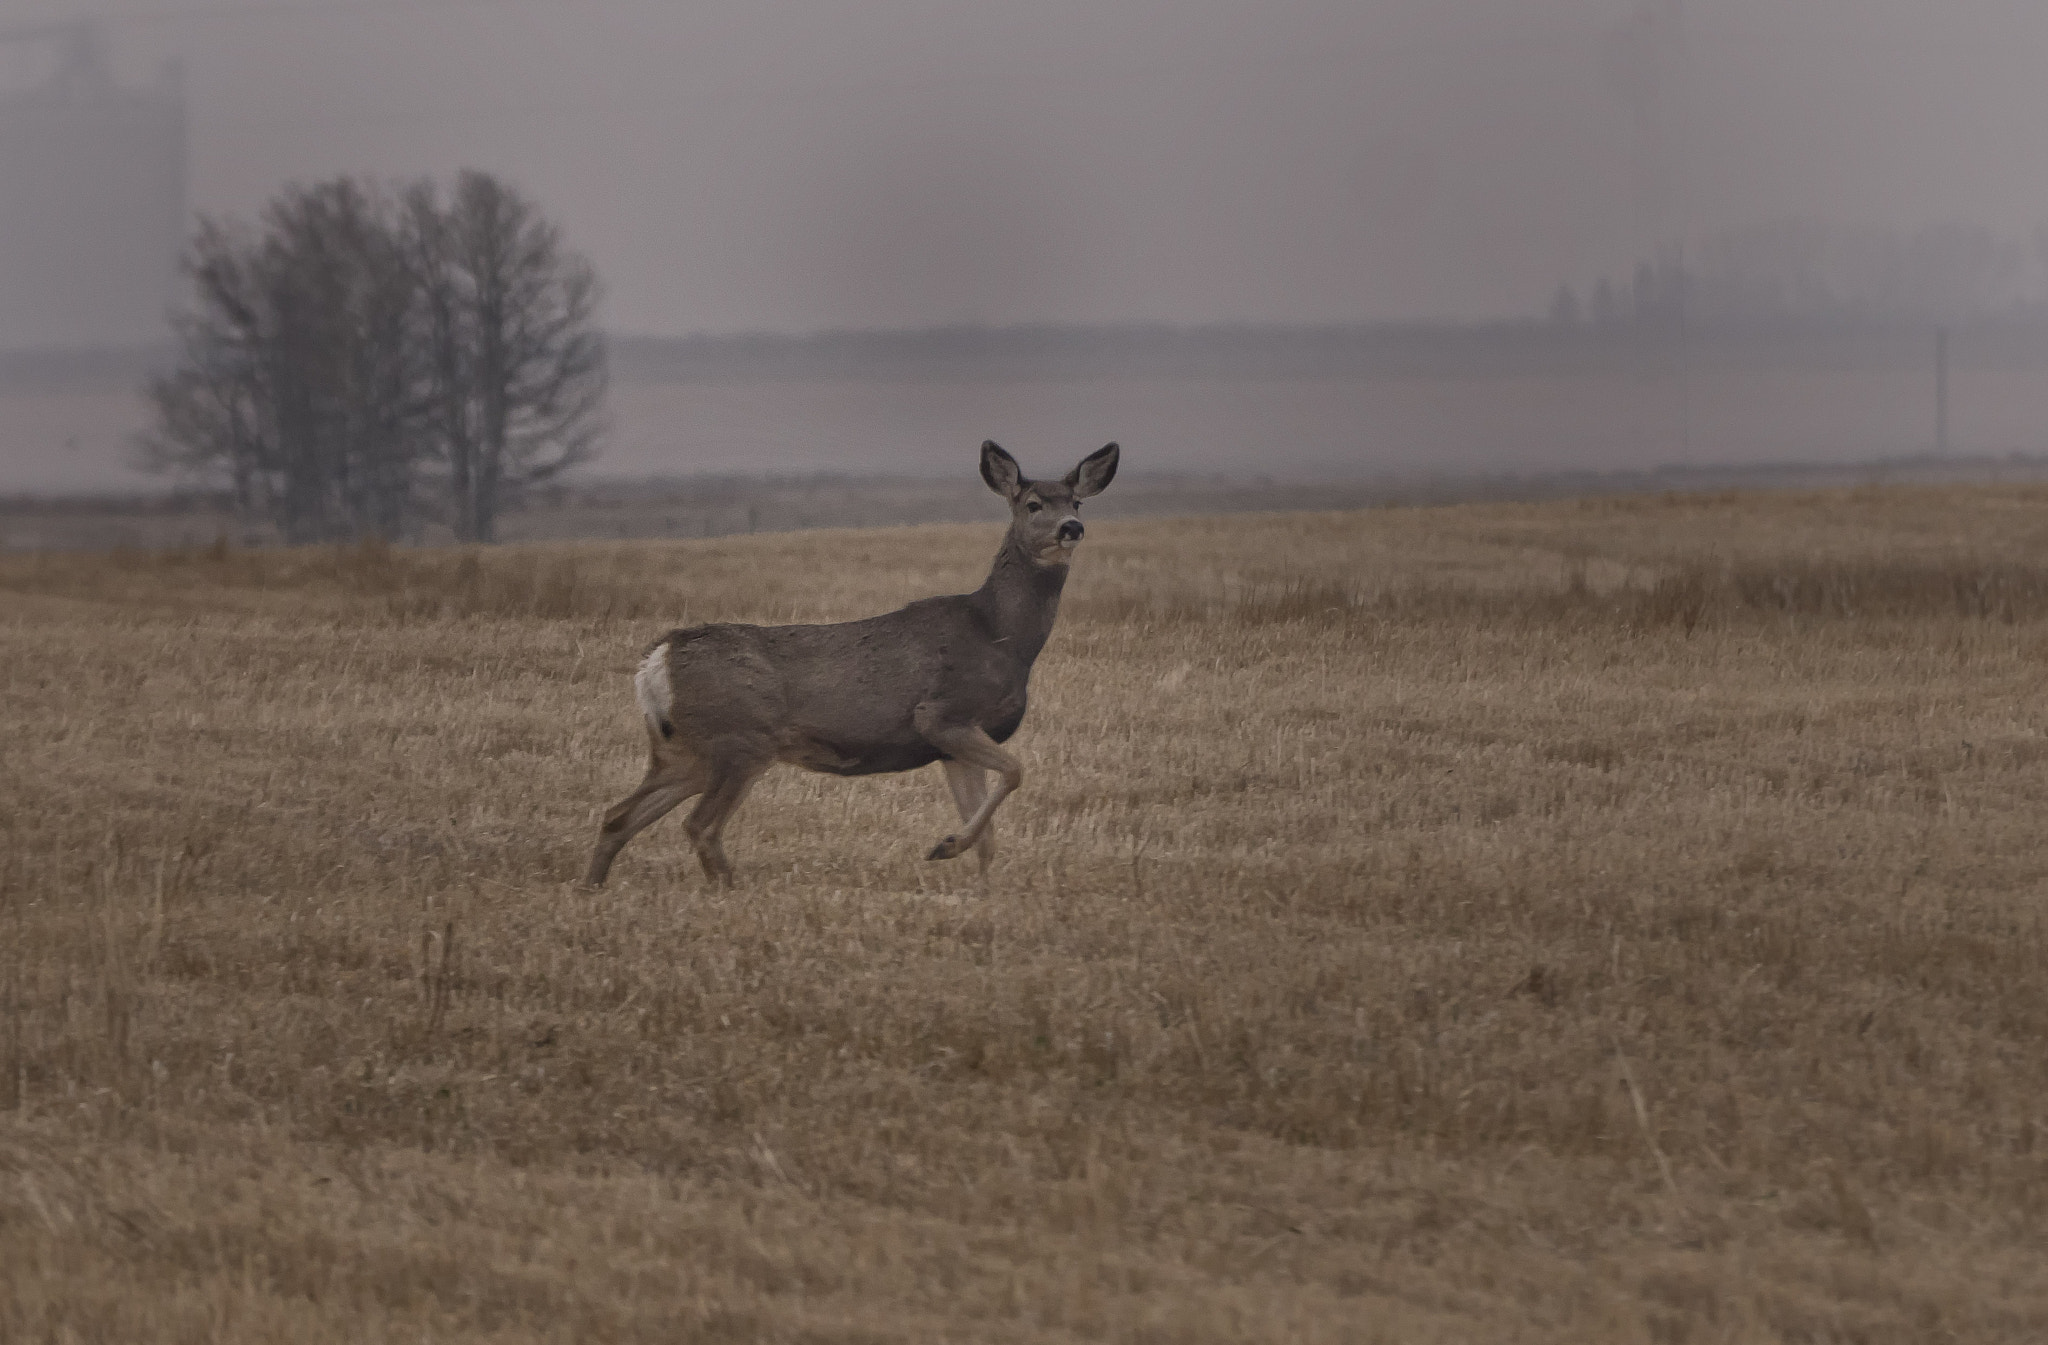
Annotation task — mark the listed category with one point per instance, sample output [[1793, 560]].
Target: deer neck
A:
[[1022, 599]]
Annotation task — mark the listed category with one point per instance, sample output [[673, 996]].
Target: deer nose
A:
[[1070, 530]]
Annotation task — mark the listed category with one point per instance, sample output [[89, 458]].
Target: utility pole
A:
[[1941, 392]]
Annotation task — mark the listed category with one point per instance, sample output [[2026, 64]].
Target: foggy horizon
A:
[[908, 167], [917, 165]]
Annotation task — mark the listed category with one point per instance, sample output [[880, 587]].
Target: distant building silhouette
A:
[[92, 192]]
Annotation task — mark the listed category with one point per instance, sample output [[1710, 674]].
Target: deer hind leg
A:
[[668, 784], [969, 787], [970, 746], [706, 823]]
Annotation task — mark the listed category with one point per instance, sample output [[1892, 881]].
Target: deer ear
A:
[[1001, 472], [1097, 470]]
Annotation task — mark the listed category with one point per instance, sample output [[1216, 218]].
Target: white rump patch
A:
[[651, 685]]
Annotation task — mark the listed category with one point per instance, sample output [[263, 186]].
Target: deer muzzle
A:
[[1070, 532]]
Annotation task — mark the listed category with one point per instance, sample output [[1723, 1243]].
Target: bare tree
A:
[[296, 379], [515, 365], [333, 359], [346, 361], [213, 413]]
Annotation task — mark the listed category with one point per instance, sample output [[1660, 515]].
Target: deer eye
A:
[[1033, 506]]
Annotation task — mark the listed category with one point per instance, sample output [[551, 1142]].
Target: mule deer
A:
[[943, 679]]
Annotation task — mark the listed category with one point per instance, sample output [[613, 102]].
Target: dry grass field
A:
[[1606, 921]]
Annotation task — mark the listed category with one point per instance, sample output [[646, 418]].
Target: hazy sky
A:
[[745, 164]]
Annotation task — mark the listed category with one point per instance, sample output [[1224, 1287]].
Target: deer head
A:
[[1045, 523]]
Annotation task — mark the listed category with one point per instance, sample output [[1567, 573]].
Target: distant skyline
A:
[[897, 163]]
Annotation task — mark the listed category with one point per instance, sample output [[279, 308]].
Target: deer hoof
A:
[[946, 849]]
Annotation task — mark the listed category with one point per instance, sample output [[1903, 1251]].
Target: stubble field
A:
[[1618, 921]]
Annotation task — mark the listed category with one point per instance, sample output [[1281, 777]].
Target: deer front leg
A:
[[969, 787], [967, 744]]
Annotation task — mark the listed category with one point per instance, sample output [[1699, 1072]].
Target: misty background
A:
[[1315, 241]]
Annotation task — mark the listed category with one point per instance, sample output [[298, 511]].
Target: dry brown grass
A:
[[1620, 921]]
